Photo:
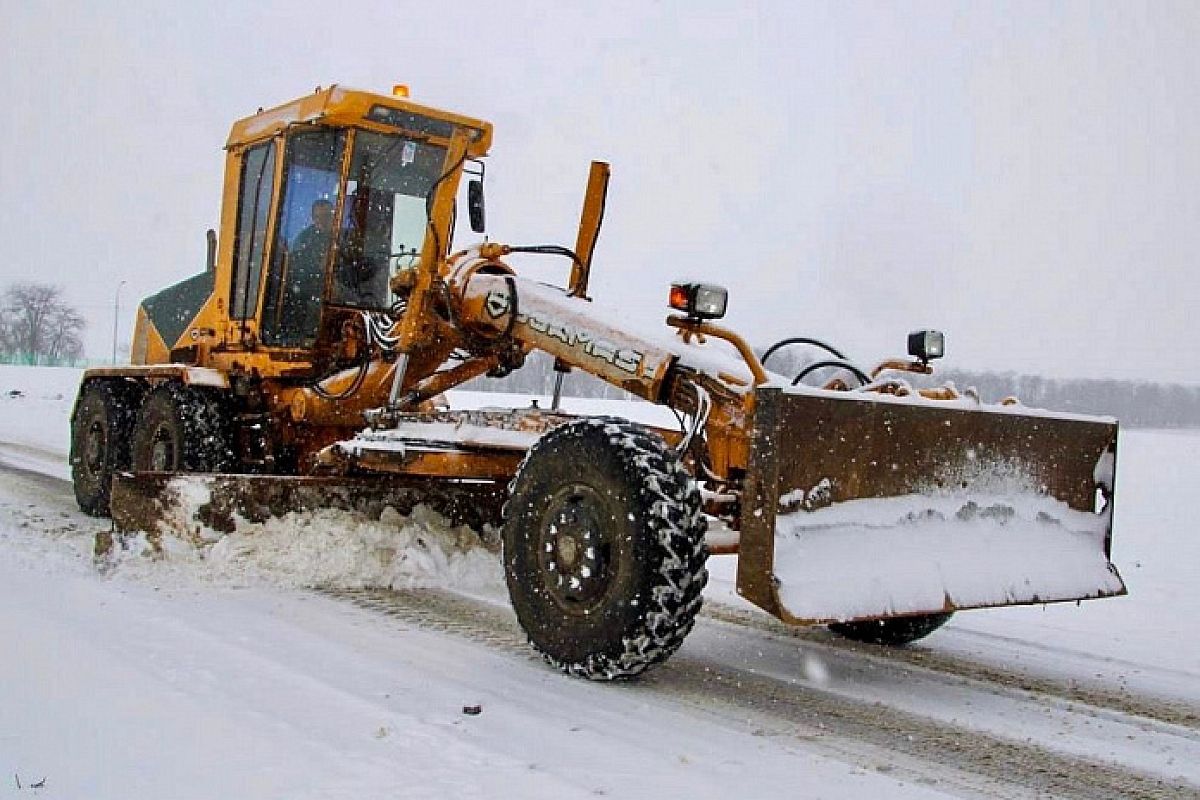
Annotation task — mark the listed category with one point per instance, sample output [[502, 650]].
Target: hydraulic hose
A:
[[782, 343], [846, 365]]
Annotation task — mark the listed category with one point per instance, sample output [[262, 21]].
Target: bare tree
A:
[[38, 326]]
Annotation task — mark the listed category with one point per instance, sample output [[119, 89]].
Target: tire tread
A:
[[676, 527]]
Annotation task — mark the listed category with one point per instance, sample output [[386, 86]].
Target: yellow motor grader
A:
[[305, 365]]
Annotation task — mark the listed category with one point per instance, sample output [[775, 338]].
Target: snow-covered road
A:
[[178, 679]]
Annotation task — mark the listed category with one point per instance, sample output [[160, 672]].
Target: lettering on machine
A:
[[623, 358]]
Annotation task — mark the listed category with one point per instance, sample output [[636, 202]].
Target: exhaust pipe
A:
[[210, 261]]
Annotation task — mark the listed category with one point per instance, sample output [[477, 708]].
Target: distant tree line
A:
[[38, 326], [1139, 404]]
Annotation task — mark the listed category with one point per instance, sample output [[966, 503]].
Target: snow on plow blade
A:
[[861, 506]]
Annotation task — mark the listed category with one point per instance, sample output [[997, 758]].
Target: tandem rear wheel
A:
[[181, 429], [174, 428], [100, 429]]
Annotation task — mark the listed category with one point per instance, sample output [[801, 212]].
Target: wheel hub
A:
[[94, 446], [162, 450], [575, 549], [567, 548]]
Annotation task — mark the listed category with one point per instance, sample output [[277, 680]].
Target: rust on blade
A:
[[140, 501]]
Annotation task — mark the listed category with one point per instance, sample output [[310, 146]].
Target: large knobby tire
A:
[[100, 431], [894, 631], [604, 548], [181, 429]]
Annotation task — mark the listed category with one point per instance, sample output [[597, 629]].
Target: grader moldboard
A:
[[304, 367]]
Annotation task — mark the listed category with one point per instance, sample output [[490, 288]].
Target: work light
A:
[[926, 345], [699, 300]]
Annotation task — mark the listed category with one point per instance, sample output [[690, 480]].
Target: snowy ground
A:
[[227, 677]]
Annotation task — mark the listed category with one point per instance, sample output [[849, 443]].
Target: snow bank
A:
[[324, 548]]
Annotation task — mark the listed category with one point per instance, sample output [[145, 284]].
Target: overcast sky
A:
[[1023, 176]]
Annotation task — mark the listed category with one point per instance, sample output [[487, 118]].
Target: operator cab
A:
[[334, 206], [341, 239]]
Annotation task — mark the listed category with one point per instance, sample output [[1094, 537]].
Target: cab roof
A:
[[342, 107]]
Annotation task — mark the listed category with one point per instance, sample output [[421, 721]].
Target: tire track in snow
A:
[[845, 726], [58, 492], [53, 487], [1100, 697], [32, 499], [1173, 712], [868, 734]]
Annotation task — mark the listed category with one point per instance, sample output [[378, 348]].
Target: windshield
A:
[[304, 234], [383, 221]]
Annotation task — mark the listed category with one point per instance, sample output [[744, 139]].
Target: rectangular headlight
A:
[[699, 300], [926, 345]]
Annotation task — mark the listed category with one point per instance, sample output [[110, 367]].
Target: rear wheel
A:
[[604, 548], [181, 429], [893, 631], [100, 431]]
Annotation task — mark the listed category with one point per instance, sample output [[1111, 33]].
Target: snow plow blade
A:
[[861, 506], [185, 503]]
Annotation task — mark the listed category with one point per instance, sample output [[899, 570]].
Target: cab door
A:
[[256, 194], [299, 264]]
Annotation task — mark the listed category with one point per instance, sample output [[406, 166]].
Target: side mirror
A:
[[475, 206]]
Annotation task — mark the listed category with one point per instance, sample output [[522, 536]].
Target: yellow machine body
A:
[[1009, 500]]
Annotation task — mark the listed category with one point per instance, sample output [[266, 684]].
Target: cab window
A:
[[303, 236], [383, 221], [254, 211]]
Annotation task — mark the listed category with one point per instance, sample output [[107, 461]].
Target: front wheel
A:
[[604, 548], [893, 631]]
